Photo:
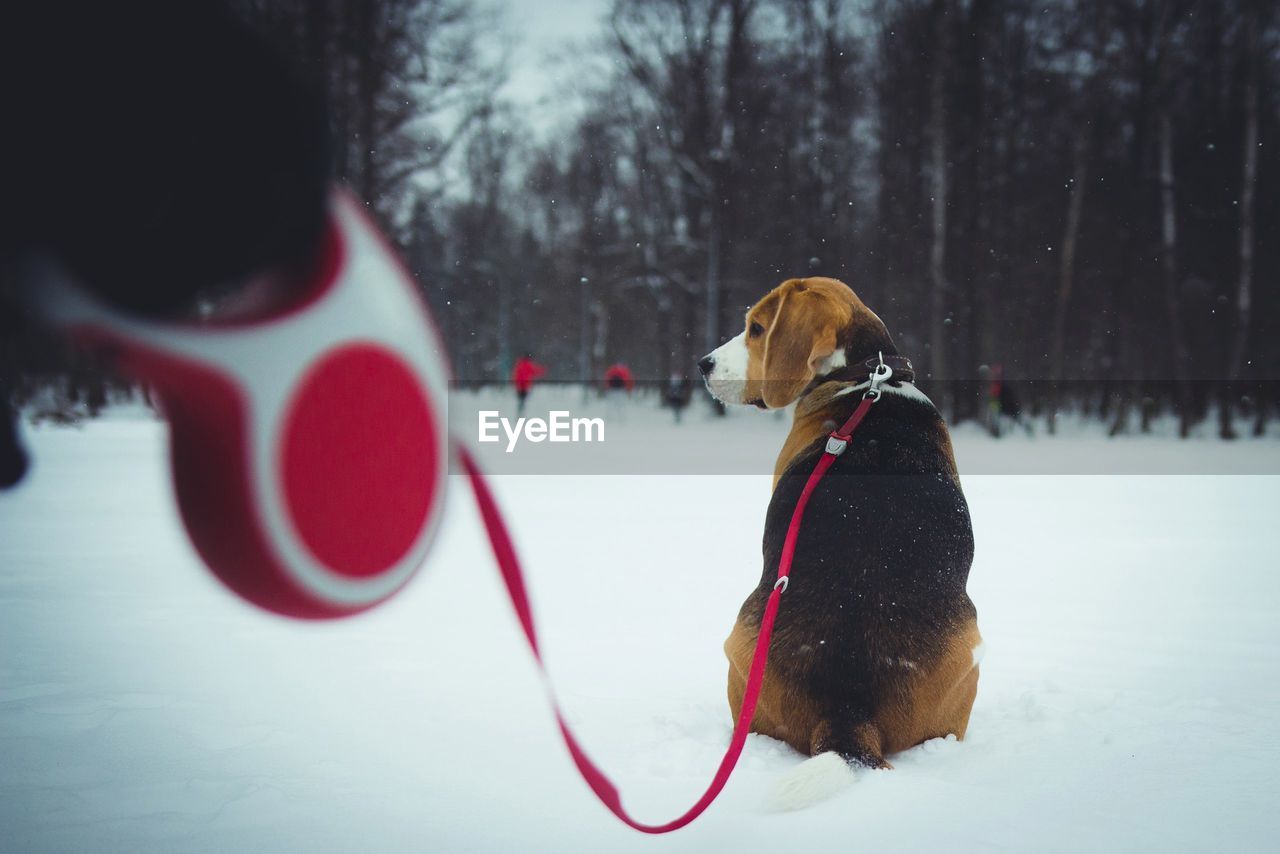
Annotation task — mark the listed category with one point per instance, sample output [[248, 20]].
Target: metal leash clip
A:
[[879, 377]]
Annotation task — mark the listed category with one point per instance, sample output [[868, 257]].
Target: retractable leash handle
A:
[[309, 449]]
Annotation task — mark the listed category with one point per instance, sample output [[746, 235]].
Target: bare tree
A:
[[405, 79], [1248, 188], [690, 58], [939, 334], [1169, 266], [1067, 266]]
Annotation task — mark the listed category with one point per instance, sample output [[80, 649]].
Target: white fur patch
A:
[[909, 390], [979, 652], [812, 781], [728, 377], [906, 389], [838, 359]]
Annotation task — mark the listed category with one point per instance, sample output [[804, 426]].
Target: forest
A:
[[1080, 192]]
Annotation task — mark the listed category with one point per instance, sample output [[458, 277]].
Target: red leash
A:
[[505, 553]]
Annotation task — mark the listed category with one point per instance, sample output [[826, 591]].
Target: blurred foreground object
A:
[[308, 445]]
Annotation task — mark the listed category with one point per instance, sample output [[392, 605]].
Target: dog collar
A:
[[859, 372]]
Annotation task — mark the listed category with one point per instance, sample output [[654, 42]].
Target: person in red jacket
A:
[[618, 378], [618, 383], [523, 373]]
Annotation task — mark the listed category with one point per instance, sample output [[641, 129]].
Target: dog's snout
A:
[[706, 364]]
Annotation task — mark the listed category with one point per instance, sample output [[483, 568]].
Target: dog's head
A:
[[802, 329]]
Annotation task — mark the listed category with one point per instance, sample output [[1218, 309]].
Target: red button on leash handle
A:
[[309, 449]]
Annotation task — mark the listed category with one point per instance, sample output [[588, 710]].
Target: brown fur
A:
[[804, 321], [933, 700]]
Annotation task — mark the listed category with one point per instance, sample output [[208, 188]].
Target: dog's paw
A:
[[812, 781]]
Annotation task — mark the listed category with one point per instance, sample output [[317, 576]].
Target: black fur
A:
[[881, 562]]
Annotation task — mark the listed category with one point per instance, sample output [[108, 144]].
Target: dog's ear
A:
[[802, 335]]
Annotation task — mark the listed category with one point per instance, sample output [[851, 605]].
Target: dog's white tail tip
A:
[[812, 781]]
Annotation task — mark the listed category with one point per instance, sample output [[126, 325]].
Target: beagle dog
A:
[[876, 645]]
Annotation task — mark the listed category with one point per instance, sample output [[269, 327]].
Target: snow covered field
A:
[[1128, 699]]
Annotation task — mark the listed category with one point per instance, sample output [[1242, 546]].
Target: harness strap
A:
[[509, 563]]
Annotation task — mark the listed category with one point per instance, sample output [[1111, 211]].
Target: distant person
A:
[[677, 394], [1003, 403], [13, 457], [618, 383], [523, 374], [618, 378]]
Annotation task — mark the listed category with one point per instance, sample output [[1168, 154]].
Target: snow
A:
[[1127, 702], [638, 440], [813, 781]]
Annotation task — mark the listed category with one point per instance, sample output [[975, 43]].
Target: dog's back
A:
[[874, 646]]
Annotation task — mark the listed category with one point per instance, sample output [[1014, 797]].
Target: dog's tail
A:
[[814, 780]]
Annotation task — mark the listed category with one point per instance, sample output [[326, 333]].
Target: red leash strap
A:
[[505, 553]]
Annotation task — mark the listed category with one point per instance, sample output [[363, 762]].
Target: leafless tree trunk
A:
[[584, 330], [1169, 265], [715, 237], [600, 339], [697, 81], [1248, 184], [938, 332], [1067, 266], [1244, 287], [367, 91], [724, 165]]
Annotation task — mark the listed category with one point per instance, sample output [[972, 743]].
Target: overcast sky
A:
[[542, 29]]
